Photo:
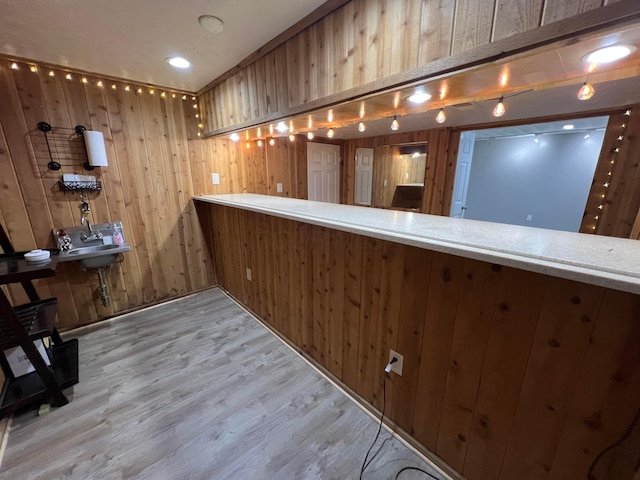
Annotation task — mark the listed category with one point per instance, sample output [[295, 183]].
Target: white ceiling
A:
[[130, 39]]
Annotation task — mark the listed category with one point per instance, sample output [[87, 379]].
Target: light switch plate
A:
[[215, 178], [279, 187]]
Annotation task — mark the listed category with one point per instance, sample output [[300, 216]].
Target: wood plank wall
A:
[[508, 374], [365, 41], [148, 185], [440, 170]]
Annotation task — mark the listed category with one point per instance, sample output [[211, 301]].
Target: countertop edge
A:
[[569, 271]]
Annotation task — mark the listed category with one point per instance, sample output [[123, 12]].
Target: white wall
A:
[[512, 178]]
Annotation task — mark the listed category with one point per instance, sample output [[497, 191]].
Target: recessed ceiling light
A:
[[609, 54], [419, 97], [178, 62], [211, 24], [568, 127]]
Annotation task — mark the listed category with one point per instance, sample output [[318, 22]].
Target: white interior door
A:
[[323, 172], [463, 168], [364, 176]]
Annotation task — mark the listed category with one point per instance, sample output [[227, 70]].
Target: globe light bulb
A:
[[586, 91], [441, 117], [499, 109]]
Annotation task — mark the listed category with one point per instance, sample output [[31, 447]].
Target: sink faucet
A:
[[84, 206]]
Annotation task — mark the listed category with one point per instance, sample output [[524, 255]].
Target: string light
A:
[[184, 97], [140, 90], [195, 105], [271, 129], [152, 91], [33, 68], [84, 80], [361, 127], [272, 142], [197, 115], [193, 98], [395, 125], [259, 132], [536, 138], [163, 95], [199, 134], [330, 133], [68, 76], [200, 125], [310, 135], [14, 66], [173, 95], [499, 110], [620, 137], [114, 86], [248, 145], [127, 88], [100, 84], [52, 73], [586, 91], [330, 116], [441, 117], [234, 137], [628, 112], [587, 135], [292, 138]]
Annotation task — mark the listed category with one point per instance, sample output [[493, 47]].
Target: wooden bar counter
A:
[[521, 346]]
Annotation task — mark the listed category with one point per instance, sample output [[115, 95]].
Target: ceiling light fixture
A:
[[330, 133], [441, 117], [178, 62], [609, 54], [282, 127], [211, 24], [361, 127], [395, 125], [568, 126], [419, 97], [586, 91], [234, 137], [499, 109]]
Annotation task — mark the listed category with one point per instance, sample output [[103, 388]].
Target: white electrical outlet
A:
[[529, 218], [215, 178], [279, 187], [249, 277], [385, 183], [396, 367]]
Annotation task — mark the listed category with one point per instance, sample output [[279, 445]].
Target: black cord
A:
[[416, 469], [624, 436], [384, 404]]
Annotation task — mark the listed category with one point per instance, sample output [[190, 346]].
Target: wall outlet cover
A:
[[215, 178], [279, 187], [396, 367], [249, 276]]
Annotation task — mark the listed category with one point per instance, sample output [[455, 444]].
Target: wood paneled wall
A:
[[254, 169], [440, 170], [507, 374], [148, 186], [368, 40]]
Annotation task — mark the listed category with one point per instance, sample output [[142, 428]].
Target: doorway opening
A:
[[536, 175]]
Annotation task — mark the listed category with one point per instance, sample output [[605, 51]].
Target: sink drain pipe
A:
[[104, 291]]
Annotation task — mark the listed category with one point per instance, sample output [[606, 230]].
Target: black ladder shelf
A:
[[21, 325]]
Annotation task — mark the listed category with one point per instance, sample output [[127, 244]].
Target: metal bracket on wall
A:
[[63, 145]]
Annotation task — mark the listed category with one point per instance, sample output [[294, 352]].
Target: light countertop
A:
[[598, 260]]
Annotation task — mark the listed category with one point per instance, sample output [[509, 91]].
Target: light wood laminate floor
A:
[[198, 389]]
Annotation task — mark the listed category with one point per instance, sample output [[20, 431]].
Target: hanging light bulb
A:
[[330, 133], [33, 68], [14, 66], [395, 125], [260, 143], [292, 138], [272, 142], [100, 84], [499, 109], [68, 76], [310, 135], [441, 117], [536, 138], [361, 127], [586, 91], [248, 145], [52, 73]]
